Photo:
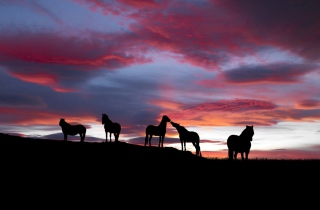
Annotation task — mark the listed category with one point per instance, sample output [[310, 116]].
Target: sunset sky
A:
[[213, 66]]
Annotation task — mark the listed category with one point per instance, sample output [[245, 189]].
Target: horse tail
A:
[[230, 146], [146, 139], [84, 133], [118, 133], [199, 151]]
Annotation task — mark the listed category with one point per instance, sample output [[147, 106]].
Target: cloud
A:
[[211, 33], [236, 105], [294, 30], [43, 10], [35, 116], [271, 73], [308, 104], [20, 100], [63, 62]]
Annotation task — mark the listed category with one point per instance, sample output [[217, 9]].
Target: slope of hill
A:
[[117, 169], [121, 157]]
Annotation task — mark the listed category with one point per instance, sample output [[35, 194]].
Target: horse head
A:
[[165, 118], [174, 124], [248, 132], [61, 121], [104, 116]]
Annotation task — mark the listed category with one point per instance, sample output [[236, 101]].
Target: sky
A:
[[213, 66]]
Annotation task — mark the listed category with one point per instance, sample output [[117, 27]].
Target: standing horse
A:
[[73, 130], [159, 130], [240, 143], [111, 127], [188, 136]]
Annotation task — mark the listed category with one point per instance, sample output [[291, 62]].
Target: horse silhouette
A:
[[241, 143], [111, 127], [187, 136], [73, 130], [159, 130]]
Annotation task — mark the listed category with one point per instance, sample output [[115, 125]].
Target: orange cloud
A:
[[308, 104]]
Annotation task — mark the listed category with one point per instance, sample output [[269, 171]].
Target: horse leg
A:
[[198, 149], [84, 135], [65, 136], [150, 137], [159, 141], [110, 136], [181, 144], [230, 154], [184, 142], [242, 157], [162, 140], [235, 155], [117, 136], [195, 146], [146, 140], [106, 137]]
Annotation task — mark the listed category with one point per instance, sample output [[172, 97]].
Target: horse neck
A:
[[64, 124], [244, 136], [163, 124], [181, 129], [107, 121]]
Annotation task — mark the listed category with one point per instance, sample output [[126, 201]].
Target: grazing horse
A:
[[241, 143], [111, 127], [73, 130], [188, 136], [159, 130]]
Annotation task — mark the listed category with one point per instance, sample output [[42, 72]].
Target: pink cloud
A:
[[237, 105], [308, 104], [53, 60], [208, 34], [21, 116]]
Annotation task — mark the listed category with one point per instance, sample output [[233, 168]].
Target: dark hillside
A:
[[115, 160], [65, 169]]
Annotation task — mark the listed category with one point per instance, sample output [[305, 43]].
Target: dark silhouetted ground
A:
[[125, 170]]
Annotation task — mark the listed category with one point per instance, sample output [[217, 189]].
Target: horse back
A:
[[74, 129], [112, 127], [155, 130], [189, 136], [232, 141], [236, 143]]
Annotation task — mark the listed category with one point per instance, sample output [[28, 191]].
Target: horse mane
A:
[[107, 119], [247, 133], [183, 128], [63, 122]]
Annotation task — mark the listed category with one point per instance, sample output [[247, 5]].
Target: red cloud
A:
[[56, 61], [308, 104], [237, 105], [19, 116], [111, 51], [208, 33], [290, 25]]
